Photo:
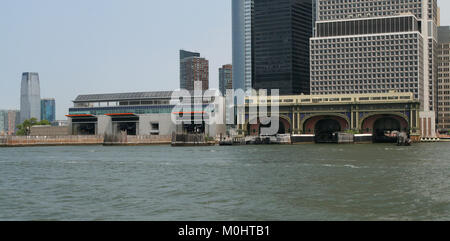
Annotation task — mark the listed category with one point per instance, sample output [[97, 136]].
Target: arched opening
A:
[[282, 128], [325, 131], [384, 130], [310, 124], [255, 129]]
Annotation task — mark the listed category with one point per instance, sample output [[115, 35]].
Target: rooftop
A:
[[126, 96]]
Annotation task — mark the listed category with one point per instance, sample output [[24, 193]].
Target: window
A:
[[154, 129]]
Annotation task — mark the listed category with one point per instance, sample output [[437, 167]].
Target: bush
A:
[[25, 127], [354, 132]]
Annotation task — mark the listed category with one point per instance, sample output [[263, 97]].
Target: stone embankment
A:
[[21, 141], [11, 141]]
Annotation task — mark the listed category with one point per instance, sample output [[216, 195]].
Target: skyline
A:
[[83, 47]]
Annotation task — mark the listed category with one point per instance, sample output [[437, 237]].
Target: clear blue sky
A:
[[104, 46]]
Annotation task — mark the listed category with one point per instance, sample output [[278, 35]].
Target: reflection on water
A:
[[299, 182]]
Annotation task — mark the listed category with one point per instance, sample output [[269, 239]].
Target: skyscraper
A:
[[280, 45], [242, 15], [225, 78], [443, 53], [48, 109], [13, 121], [30, 98], [3, 122], [186, 54], [194, 71], [375, 46]]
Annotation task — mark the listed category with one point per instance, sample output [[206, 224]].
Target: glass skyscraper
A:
[[225, 78], [242, 15], [48, 110], [30, 97], [280, 46]]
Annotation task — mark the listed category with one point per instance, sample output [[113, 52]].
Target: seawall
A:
[[22, 141]]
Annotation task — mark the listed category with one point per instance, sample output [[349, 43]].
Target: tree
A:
[[25, 127]]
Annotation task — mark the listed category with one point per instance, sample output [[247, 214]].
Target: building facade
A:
[[225, 78], [48, 110], [280, 46], [3, 122], [186, 54], [194, 71], [9, 119], [443, 106], [141, 114], [372, 116], [373, 46], [242, 15], [13, 121], [30, 98]]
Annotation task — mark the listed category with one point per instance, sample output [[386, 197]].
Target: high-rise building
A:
[[30, 98], [225, 78], [194, 71], [376, 46], [48, 109], [443, 53], [242, 15], [280, 46], [13, 121], [186, 54], [3, 122]]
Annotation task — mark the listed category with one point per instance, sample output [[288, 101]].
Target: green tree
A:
[[25, 127], [43, 123]]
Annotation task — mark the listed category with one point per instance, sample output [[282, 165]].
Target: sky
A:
[[110, 46]]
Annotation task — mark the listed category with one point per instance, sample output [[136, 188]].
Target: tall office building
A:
[[374, 46], [225, 78], [30, 98], [194, 71], [48, 109], [3, 122], [281, 31], [187, 54], [242, 15], [13, 121], [443, 106]]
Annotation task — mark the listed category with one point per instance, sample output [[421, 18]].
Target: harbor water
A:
[[226, 183]]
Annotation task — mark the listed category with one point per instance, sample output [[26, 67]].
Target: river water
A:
[[291, 182]]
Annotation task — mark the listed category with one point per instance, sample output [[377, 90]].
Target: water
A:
[[300, 182]]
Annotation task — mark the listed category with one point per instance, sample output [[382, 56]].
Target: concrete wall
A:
[[50, 140], [215, 130], [49, 131], [428, 124], [137, 140], [166, 126], [104, 125]]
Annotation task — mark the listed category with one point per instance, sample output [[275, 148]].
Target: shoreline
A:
[[45, 141]]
